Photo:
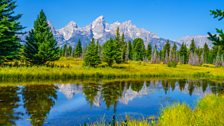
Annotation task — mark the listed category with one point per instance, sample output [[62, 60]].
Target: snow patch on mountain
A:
[[102, 31], [68, 30]]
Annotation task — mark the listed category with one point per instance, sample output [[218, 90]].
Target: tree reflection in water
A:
[[38, 101], [9, 101]]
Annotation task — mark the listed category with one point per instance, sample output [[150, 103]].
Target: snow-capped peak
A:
[[99, 19], [72, 24], [68, 30], [98, 27], [102, 31], [98, 22]]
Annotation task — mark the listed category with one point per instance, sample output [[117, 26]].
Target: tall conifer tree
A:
[[130, 52], [149, 52], [92, 57], [41, 45], [192, 46], [109, 52], [118, 47], [166, 52], [138, 49], [206, 53], [78, 49], [183, 53], [10, 28]]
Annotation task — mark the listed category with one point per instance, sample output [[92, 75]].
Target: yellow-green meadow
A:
[[71, 68]]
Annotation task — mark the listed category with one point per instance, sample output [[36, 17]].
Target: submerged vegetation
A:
[[208, 112]]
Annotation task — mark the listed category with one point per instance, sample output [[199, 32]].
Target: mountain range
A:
[[102, 31]]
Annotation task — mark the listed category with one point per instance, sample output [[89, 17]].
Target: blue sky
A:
[[170, 19]]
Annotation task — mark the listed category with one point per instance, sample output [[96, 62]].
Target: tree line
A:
[[41, 46], [118, 51]]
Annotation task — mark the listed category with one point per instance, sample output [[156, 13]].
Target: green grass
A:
[[70, 68], [208, 112]]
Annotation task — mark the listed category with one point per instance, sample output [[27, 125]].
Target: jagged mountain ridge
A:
[[102, 31]]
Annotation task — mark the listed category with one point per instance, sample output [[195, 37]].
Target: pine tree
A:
[[138, 49], [130, 51], [118, 36], [192, 46], [92, 57], [149, 52], [124, 48], [109, 52], [218, 39], [61, 52], [65, 50], [31, 48], [41, 45], [206, 53], [99, 49], [166, 51], [118, 47], [193, 57], [183, 53], [78, 50], [174, 53], [70, 51], [10, 28]]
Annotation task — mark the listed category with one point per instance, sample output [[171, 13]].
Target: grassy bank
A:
[[208, 112], [73, 69]]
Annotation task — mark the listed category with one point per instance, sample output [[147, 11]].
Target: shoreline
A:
[[72, 69]]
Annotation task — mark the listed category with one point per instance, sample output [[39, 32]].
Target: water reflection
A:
[[38, 101], [55, 104], [9, 101]]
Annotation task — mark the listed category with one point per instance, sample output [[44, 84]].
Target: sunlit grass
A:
[[70, 68], [208, 112]]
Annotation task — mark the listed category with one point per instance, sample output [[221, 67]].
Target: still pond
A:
[[69, 104]]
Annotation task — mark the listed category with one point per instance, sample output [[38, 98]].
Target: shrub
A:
[[103, 65], [172, 64]]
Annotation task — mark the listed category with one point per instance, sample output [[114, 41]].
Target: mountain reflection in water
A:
[[75, 104]]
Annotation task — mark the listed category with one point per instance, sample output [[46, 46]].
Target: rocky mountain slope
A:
[[102, 31]]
